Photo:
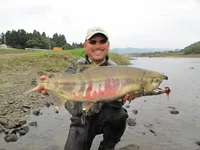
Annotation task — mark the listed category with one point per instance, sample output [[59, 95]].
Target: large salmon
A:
[[105, 83]]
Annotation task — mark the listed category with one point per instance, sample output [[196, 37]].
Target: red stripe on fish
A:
[[111, 87], [75, 95]]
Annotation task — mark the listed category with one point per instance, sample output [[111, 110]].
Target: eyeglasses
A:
[[93, 42]]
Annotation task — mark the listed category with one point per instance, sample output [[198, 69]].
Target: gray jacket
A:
[[75, 108]]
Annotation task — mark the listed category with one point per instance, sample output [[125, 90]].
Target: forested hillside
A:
[[21, 39], [193, 48]]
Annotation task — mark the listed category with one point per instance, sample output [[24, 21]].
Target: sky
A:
[[172, 24]]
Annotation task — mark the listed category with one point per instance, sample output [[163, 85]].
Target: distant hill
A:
[[131, 50], [193, 48]]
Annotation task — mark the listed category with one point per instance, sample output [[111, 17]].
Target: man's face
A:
[[97, 48]]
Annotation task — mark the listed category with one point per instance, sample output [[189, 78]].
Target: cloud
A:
[[130, 23]]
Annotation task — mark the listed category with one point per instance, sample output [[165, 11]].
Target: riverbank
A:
[[169, 54]]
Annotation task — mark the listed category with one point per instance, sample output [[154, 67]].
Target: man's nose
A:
[[98, 44]]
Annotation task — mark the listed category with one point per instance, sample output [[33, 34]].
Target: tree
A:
[[193, 48], [43, 34], [22, 39]]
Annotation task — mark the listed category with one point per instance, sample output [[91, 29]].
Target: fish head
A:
[[152, 81]]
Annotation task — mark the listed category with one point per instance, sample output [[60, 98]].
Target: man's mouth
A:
[[97, 51]]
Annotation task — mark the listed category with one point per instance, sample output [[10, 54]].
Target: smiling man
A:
[[96, 45], [108, 119]]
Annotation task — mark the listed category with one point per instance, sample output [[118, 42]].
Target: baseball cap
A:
[[94, 30]]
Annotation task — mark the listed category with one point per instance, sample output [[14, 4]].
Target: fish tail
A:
[[32, 90], [42, 78]]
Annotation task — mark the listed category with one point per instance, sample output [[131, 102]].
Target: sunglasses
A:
[[93, 42]]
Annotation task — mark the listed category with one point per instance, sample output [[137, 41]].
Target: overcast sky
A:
[[129, 23]]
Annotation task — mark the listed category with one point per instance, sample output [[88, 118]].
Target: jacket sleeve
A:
[[72, 68], [74, 108]]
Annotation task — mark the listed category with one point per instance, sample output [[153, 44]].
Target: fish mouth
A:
[[165, 78], [159, 91]]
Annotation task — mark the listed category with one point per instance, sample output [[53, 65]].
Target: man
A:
[[108, 119]]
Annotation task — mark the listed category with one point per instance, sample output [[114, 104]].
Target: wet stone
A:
[[1, 129], [152, 132], [22, 132], [27, 106], [36, 112], [6, 131], [198, 143], [11, 125], [191, 67], [22, 122], [26, 128], [11, 102], [130, 147], [3, 121], [34, 123], [56, 111], [13, 131], [25, 109], [171, 107], [174, 112], [131, 121], [135, 112], [48, 104], [10, 138], [148, 125]]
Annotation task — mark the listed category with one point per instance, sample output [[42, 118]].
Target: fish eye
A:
[[155, 80]]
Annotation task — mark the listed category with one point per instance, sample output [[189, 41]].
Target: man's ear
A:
[[108, 44], [85, 45]]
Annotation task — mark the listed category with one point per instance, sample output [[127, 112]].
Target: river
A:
[[172, 131]]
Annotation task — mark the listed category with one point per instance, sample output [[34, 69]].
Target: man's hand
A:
[[127, 97], [41, 89]]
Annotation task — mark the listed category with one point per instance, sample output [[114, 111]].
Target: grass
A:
[[46, 60]]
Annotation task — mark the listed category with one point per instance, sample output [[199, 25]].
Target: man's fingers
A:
[[41, 88], [42, 78], [130, 98], [44, 92], [126, 97]]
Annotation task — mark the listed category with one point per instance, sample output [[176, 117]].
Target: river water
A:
[[172, 131]]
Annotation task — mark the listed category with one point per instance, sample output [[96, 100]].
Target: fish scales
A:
[[105, 83], [96, 84]]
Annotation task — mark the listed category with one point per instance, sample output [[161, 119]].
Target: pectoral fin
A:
[[86, 106]]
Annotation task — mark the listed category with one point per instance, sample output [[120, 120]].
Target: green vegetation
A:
[[21, 39], [193, 48], [168, 54], [46, 60]]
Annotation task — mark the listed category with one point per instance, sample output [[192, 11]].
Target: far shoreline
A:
[[168, 55]]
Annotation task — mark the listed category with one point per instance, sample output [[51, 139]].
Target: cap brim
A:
[[98, 32]]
